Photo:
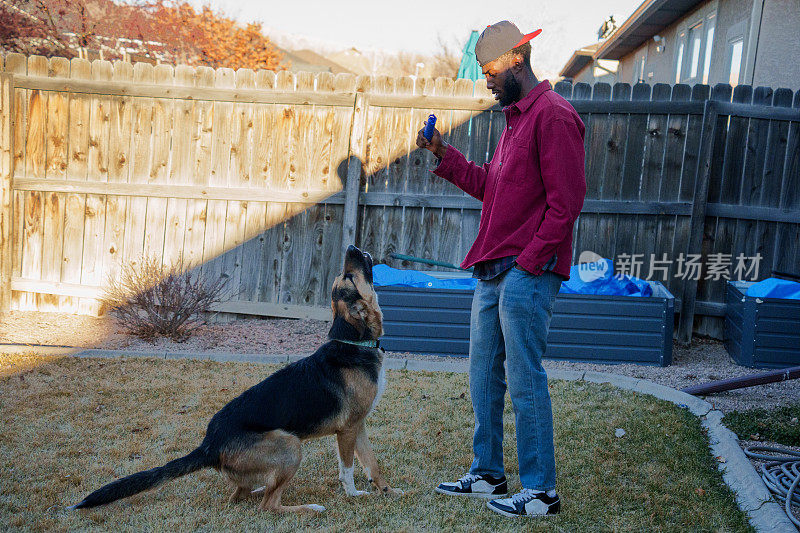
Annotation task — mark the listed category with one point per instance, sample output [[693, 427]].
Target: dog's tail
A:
[[148, 479]]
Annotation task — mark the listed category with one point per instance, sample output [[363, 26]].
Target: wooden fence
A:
[[268, 177]]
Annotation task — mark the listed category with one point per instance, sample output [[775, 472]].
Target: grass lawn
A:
[[69, 425], [781, 425]]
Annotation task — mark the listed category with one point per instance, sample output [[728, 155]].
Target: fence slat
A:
[[586, 225], [140, 139], [747, 238], [176, 216], [341, 125], [688, 179], [242, 147], [376, 153], [664, 227], [787, 241], [119, 163], [459, 226], [724, 234], [57, 121], [237, 176], [218, 129], [626, 174], [302, 221], [35, 154], [17, 64], [274, 148], [97, 171], [6, 193], [695, 245], [316, 171], [199, 145]]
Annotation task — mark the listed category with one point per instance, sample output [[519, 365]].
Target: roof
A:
[[648, 19], [580, 58], [308, 60]]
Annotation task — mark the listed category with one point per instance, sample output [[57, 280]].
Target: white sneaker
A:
[[527, 503], [475, 486]]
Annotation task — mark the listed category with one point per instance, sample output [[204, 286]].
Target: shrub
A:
[[151, 299]]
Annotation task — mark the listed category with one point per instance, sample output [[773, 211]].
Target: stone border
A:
[[766, 515]]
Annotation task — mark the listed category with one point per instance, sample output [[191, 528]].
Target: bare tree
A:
[[447, 59], [150, 299]]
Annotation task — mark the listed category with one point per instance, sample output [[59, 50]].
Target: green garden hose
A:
[[781, 474]]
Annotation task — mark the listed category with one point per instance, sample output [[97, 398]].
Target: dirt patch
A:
[[706, 360], [271, 336]]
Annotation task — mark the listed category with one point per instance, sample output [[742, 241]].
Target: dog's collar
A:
[[366, 344]]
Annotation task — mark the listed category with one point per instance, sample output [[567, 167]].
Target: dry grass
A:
[[69, 425]]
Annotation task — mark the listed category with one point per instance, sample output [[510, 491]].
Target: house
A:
[[583, 67], [754, 42]]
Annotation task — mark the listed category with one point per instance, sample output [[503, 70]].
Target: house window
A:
[[679, 57], [734, 52], [735, 49], [709, 47], [640, 71], [696, 43]]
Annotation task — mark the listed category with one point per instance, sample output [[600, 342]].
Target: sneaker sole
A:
[[512, 515], [481, 495]]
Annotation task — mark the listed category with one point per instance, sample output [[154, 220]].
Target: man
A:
[[532, 192]]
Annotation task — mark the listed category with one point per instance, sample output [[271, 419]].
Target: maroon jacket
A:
[[533, 188]]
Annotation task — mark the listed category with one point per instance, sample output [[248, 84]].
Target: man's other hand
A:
[[436, 145]]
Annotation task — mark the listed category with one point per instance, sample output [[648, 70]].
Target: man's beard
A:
[[511, 91]]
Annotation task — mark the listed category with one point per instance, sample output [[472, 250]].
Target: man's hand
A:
[[436, 145]]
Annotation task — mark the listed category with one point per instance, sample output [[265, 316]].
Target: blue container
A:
[[585, 327], [761, 332]]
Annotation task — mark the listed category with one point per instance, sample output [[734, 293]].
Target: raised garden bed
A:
[[761, 332], [585, 327]]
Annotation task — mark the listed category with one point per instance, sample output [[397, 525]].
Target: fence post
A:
[[698, 217], [354, 166], [6, 177]]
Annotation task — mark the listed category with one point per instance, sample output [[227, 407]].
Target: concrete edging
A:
[[766, 515]]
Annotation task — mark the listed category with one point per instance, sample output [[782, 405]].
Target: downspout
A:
[[756, 16]]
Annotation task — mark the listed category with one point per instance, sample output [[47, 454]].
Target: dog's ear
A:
[[349, 321]]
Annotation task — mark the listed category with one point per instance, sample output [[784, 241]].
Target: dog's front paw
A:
[[357, 492]]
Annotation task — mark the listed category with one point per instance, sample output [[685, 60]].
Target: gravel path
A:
[[706, 360]]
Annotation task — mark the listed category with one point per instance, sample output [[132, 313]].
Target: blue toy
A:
[[428, 133]]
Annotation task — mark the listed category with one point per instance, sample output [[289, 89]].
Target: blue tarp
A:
[[587, 278], [469, 67], [598, 278], [386, 275], [775, 288]]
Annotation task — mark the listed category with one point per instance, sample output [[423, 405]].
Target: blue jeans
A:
[[510, 319]]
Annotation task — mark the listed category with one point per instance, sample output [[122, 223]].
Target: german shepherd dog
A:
[[255, 440]]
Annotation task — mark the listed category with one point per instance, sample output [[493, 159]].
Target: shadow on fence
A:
[[267, 178]]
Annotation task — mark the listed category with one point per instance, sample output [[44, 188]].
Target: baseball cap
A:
[[498, 39]]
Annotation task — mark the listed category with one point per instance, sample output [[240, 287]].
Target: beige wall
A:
[[776, 65], [778, 54], [586, 75], [729, 14]]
